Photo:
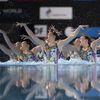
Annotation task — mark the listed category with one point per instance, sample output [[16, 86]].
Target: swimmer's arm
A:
[[66, 41], [36, 49], [25, 37], [9, 42], [95, 44], [32, 35], [5, 50]]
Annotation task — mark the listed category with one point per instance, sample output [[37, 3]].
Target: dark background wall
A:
[[84, 11]]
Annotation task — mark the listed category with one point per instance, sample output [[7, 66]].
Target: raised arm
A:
[[31, 34], [6, 50], [95, 44], [11, 46], [25, 37], [70, 37]]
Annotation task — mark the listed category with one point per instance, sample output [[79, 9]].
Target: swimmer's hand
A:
[[20, 24], [25, 37], [83, 26]]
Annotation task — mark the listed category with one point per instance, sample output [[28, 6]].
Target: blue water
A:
[[38, 76]]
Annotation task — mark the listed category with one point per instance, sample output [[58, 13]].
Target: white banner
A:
[[40, 30], [65, 13]]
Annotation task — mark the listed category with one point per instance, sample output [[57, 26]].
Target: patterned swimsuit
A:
[[87, 55], [27, 57], [52, 54]]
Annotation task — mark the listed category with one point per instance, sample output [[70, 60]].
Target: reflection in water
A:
[[50, 82]]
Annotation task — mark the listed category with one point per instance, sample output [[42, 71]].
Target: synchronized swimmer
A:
[[52, 48]]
